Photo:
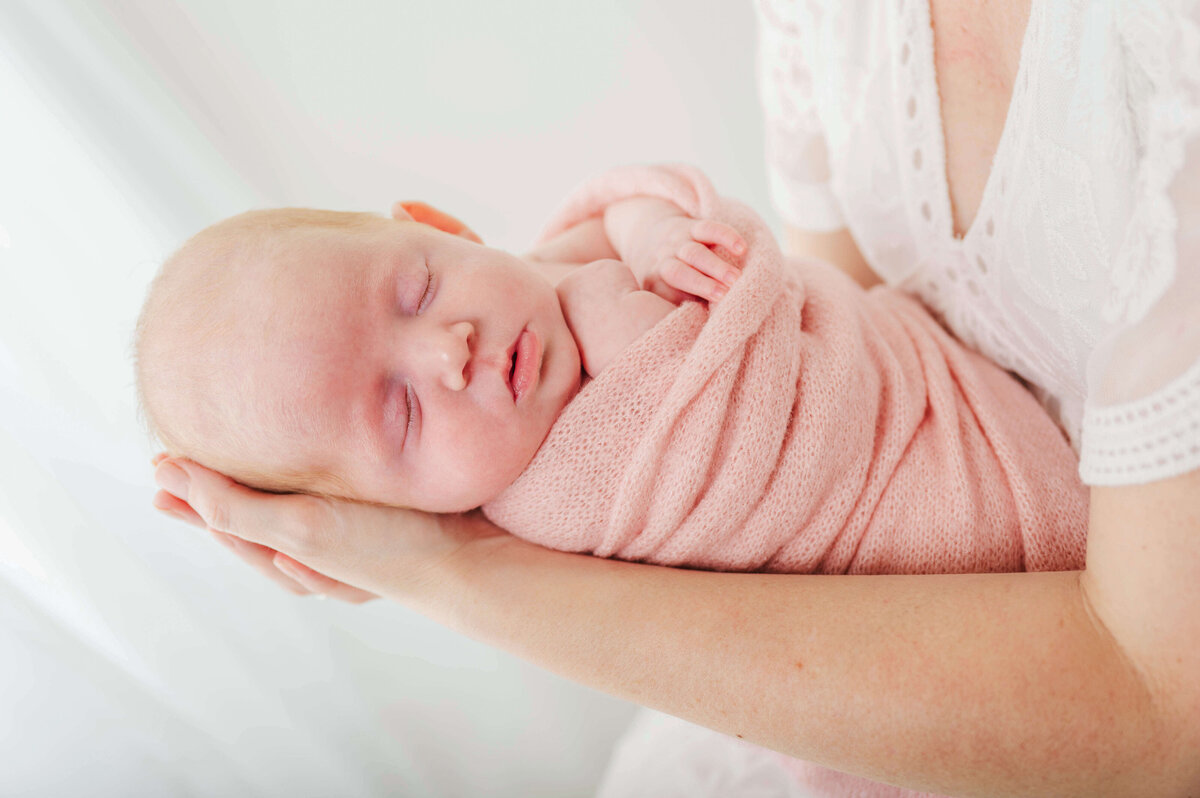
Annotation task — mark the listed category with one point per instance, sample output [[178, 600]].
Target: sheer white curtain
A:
[[139, 658]]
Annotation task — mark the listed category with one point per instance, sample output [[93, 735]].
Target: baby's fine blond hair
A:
[[187, 308]]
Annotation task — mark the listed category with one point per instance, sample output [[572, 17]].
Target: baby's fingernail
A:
[[172, 479], [719, 292], [730, 276]]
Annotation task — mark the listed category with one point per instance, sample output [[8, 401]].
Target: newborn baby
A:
[[396, 361], [786, 421]]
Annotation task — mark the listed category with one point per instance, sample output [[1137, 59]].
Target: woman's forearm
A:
[[991, 684]]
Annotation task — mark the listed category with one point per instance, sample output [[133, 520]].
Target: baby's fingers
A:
[[684, 277], [716, 233], [705, 261]]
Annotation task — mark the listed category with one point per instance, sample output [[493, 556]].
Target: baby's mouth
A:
[[526, 364]]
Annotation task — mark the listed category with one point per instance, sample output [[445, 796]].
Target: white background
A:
[[136, 656]]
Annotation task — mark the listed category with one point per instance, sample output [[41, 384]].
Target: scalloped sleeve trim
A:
[[1152, 438]]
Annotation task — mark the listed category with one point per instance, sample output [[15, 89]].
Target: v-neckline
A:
[[938, 128]]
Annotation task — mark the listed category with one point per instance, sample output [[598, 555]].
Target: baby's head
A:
[[353, 355]]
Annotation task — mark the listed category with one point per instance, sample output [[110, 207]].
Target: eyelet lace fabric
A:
[[1080, 270]]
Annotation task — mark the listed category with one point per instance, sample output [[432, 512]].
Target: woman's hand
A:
[[309, 544]]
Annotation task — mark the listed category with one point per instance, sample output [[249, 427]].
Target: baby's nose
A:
[[453, 352]]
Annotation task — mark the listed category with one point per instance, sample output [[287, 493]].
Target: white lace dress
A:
[[1080, 272]]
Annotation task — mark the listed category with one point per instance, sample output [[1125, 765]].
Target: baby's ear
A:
[[427, 214]]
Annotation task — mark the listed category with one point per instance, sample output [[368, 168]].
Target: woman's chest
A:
[[995, 187], [976, 53]]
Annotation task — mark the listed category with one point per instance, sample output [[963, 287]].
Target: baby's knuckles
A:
[[674, 273]]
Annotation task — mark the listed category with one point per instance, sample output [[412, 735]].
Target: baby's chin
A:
[[447, 495]]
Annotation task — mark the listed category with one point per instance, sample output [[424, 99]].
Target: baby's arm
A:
[[670, 252], [607, 311], [579, 244]]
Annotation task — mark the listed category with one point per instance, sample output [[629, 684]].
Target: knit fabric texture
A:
[[801, 425]]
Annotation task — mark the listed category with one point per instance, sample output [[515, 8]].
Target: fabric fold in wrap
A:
[[802, 425]]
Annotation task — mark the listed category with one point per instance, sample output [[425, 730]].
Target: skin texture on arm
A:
[[837, 247], [1001, 684], [1071, 683]]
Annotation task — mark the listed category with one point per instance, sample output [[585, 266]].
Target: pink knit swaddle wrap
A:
[[802, 425]]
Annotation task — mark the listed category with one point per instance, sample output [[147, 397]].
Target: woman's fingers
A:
[[177, 508], [289, 574], [261, 559], [250, 523], [274, 520], [319, 583]]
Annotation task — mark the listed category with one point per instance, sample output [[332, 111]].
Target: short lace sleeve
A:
[[797, 160], [1141, 422]]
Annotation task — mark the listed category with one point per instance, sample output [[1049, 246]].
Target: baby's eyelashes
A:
[[427, 296], [416, 289], [399, 403], [413, 409]]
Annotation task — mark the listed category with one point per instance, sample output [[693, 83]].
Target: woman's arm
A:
[[1004, 684], [998, 684], [837, 247]]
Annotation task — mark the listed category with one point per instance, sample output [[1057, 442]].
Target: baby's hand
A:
[[685, 265], [606, 311]]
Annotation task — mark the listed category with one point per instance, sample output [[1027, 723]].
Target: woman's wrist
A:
[[444, 586]]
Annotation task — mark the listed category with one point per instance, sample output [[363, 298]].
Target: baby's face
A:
[[413, 367]]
